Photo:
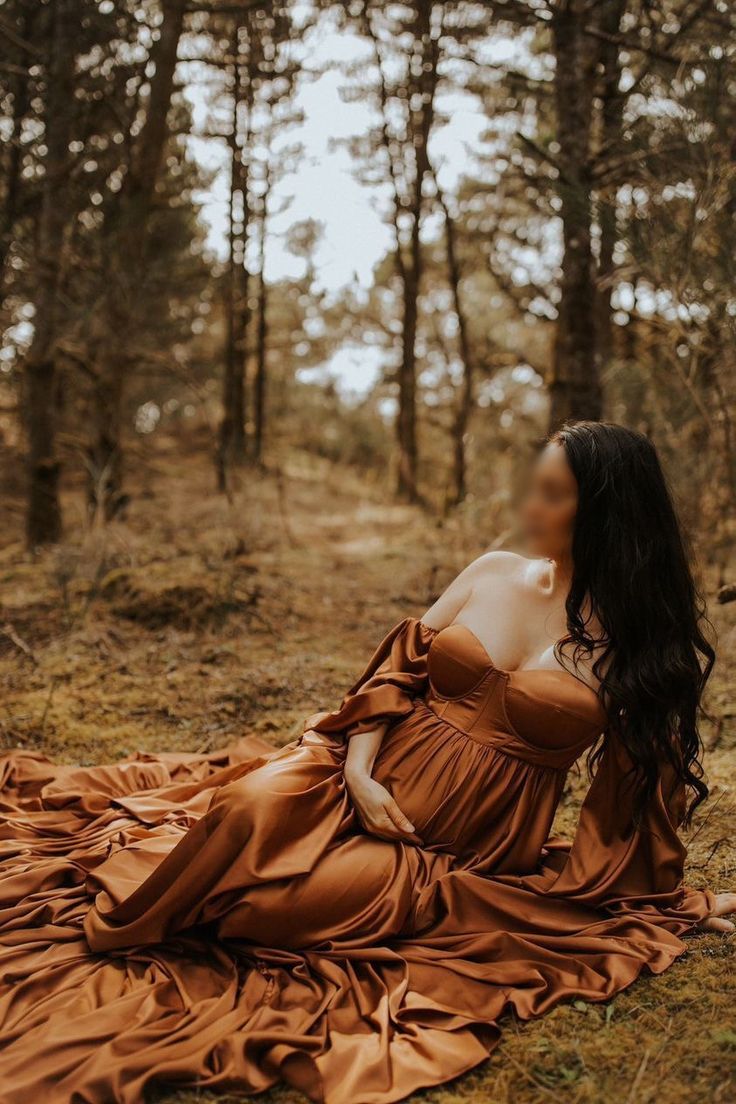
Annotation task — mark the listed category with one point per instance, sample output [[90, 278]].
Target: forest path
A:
[[201, 618]]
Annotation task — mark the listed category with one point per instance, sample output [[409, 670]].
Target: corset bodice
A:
[[542, 716]]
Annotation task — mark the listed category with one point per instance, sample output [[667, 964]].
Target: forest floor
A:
[[203, 617]]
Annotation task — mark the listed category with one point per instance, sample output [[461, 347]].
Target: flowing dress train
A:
[[223, 921]]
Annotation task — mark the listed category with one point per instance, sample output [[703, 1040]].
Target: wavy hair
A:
[[631, 571]]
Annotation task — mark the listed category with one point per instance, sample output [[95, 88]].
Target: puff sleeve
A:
[[624, 869], [385, 691]]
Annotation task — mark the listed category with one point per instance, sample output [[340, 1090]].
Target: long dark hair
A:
[[631, 571]]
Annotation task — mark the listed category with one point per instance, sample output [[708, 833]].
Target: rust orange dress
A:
[[222, 921]]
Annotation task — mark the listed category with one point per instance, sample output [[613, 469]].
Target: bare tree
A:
[[126, 236], [43, 518], [263, 77], [593, 161], [405, 151], [20, 86], [466, 390], [574, 385], [612, 100], [232, 439], [261, 350]]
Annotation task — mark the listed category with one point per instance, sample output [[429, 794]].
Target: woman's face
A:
[[548, 510]]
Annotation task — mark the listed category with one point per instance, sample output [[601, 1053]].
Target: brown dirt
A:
[[200, 618]]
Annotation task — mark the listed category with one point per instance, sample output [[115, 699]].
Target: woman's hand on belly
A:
[[377, 811]]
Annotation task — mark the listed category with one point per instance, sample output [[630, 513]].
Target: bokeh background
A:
[[290, 292]]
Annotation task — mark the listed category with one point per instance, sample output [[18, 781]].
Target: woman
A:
[[354, 912]]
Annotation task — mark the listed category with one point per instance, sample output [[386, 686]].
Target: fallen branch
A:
[[9, 631]]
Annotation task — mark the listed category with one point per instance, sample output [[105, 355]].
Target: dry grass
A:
[[201, 618]]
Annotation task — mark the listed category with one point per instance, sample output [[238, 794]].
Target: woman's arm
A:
[[452, 600], [376, 808], [385, 692], [362, 752], [395, 675], [635, 869]]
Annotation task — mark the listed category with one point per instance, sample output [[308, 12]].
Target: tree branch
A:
[[642, 48], [7, 31]]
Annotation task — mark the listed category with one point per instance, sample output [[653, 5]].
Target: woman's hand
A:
[[725, 906], [378, 812]]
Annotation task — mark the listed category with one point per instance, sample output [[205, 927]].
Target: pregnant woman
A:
[[355, 912]]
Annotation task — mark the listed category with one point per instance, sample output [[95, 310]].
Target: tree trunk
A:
[[575, 391], [43, 517], [126, 242], [611, 119], [422, 85], [406, 421], [105, 498], [466, 396], [20, 90], [259, 382], [232, 442]]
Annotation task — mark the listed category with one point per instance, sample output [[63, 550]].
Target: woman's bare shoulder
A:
[[492, 569], [508, 576], [488, 574], [507, 565]]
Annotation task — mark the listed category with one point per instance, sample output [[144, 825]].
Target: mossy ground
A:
[[202, 617]]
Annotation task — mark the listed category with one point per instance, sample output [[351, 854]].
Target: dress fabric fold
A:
[[385, 691], [222, 921]]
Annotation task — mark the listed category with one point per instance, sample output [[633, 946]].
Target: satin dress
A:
[[223, 921]]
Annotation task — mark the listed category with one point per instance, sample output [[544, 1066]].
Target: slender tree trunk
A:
[[606, 269], [466, 396], [127, 238], [611, 119], [575, 390], [421, 90], [104, 456], [43, 518], [406, 421], [232, 442], [20, 86], [260, 381]]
